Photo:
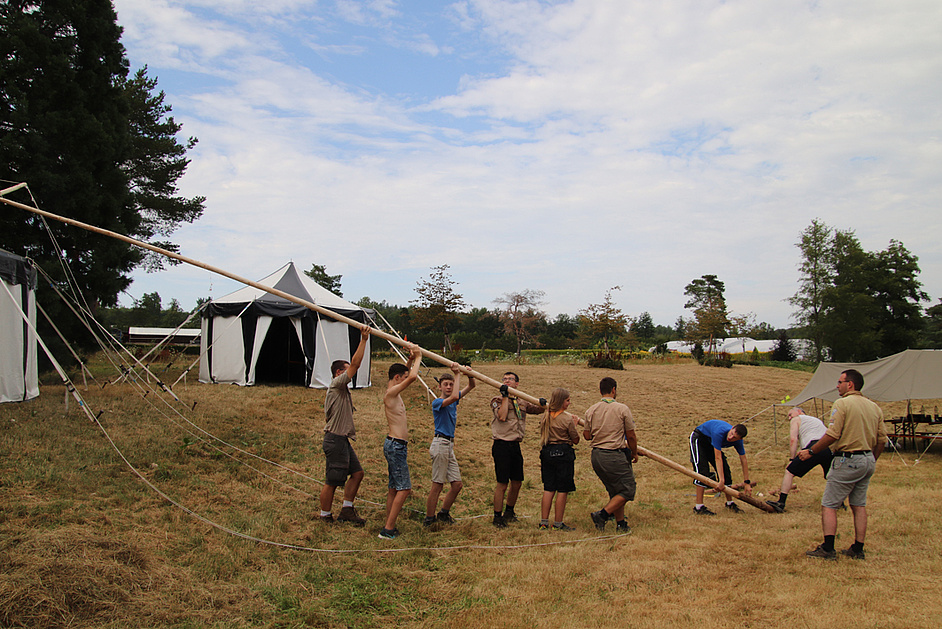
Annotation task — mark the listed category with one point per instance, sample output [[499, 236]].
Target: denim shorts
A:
[[395, 451]]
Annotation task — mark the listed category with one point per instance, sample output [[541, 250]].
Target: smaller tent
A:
[[251, 336], [19, 368], [913, 374]]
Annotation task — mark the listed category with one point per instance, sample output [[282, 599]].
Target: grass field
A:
[[84, 542]]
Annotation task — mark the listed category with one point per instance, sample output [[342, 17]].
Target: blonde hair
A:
[[557, 398]]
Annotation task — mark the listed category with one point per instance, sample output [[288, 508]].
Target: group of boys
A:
[[856, 432]]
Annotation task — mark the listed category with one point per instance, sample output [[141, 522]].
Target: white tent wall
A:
[[19, 367], [251, 336]]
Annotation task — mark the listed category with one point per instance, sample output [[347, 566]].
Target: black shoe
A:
[[562, 526], [499, 522], [622, 527], [429, 521], [703, 511], [853, 554], [775, 504], [509, 517], [599, 519], [445, 516], [820, 553], [387, 534], [732, 506]]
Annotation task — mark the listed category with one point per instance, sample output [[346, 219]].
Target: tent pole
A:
[[392, 339]]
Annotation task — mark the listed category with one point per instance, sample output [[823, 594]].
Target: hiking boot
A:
[[543, 527], [622, 527], [599, 519], [820, 553], [703, 511], [349, 514], [445, 516], [499, 522], [562, 526], [509, 517], [775, 504], [732, 506], [387, 534], [326, 519], [429, 521], [853, 554]]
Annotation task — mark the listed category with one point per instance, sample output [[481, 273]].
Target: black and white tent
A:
[[19, 369], [251, 336]]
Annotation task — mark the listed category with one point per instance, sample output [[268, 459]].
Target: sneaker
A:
[[820, 553], [853, 554], [429, 521], [703, 511], [509, 517], [326, 519], [622, 527], [349, 514], [732, 506], [562, 526], [775, 504], [499, 522], [445, 516], [599, 519], [543, 527], [387, 534]]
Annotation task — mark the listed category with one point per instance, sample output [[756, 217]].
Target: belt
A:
[[852, 453], [402, 441], [444, 436]]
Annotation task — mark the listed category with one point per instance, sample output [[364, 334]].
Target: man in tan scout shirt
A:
[[858, 437], [610, 428]]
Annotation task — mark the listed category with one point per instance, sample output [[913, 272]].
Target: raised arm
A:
[[357, 358]]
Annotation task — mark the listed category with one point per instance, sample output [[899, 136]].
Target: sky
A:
[[562, 146]]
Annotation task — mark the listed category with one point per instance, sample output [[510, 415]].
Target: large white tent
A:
[[19, 376], [251, 336], [913, 374]]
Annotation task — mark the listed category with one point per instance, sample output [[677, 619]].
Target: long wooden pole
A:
[[339, 317], [268, 289]]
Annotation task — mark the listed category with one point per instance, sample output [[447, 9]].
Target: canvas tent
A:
[[913, 374], [19, 375], [251, 336]]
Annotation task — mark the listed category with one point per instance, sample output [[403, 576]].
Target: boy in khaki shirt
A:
[[396, 445]]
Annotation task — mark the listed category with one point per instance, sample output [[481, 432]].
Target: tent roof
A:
[[288, 280], [913, 374]]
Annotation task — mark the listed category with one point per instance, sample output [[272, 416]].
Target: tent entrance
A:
[[280, 359]]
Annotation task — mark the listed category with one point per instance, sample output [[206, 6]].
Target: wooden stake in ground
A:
[[333, 315]]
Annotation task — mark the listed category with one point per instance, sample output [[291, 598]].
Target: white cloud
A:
[[630, 143]]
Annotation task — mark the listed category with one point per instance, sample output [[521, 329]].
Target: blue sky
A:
[[567, 147]]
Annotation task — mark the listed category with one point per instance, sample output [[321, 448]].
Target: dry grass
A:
[[85, 543]]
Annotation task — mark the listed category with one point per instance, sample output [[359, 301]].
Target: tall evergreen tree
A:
[[91, 143], [814, 277]]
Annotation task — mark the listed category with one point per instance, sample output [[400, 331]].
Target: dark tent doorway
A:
[[281, 359]]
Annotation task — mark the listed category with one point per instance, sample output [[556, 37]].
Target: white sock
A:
[[700, 506], [348, 503], [324, 514]]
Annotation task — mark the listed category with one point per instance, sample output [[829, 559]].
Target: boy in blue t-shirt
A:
[[444, 464], [706, 449]]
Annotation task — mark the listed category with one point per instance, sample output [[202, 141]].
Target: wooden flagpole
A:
[[375, 332]]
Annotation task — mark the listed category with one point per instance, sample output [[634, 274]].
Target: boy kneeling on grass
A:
[[396, 446]]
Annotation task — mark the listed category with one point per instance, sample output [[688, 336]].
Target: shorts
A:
[[613, 467], [558, 467], [444, 464], [799, 468], [396, 451], [342, 461], [849, 478], [508, 461], [702, 458]]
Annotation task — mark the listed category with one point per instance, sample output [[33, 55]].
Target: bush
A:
[[718, 360], [606, 360]]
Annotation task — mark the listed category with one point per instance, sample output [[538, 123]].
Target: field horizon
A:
[[84, 542]]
